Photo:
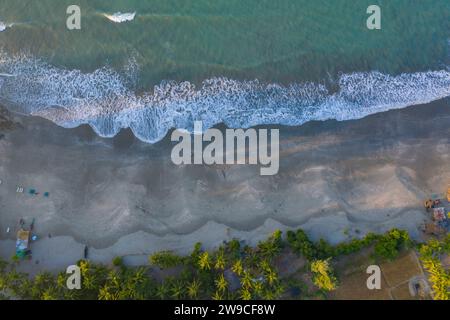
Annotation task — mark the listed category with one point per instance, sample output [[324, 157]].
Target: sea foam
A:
[[4, 26], [103, 98], [119, 17]]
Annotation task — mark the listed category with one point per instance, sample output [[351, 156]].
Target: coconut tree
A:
[[279, 290], [61, 280], [18, 283], [237, 267], [89, 279], [204, 261], [247, 280], [232, 295], [268, 294], [193, 289], [177, 290], [221, 283], [220, 261], [108, 293], [41, 283], [43, 280], [272, 246], [50, 294], [258, 287], [218, 295], [271, 276], [162, 291], [136, 283], [138, 276], [265, 265], [61, 288], [323, 277], [246, 294], [438, 276], [112, 289]]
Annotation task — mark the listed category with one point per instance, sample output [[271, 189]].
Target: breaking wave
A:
[[120, 17], [103, 98], [4, 26]]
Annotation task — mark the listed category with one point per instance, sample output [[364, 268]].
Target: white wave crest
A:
[[103, 99], [119, 17], [4, 26]]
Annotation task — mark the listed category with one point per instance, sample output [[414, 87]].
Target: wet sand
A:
[[123, 197]]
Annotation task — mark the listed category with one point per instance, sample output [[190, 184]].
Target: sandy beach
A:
[[120, 196]]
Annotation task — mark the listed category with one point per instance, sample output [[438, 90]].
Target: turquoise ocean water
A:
[[240, 62]]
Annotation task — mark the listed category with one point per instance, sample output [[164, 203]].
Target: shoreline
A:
[[354, 176]]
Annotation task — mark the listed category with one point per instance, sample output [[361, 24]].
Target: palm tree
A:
[[193, 289], [323, 275], [265, 266], [135, 282], [279, 290], [258, 287], [88, 282], [220, 261], [112, 289], [108, 293], [247, 280], [268, 249], [61, 280], [84, 267], [237, 267], [217, 295], [177, 290], [61, 286], [43, 279], [232, 295], [162, 291], [246, 294], [19, 283], [273, 292], [42, 282], [439, 278], [204, 261], [221, 283], [50, 294], [271, 276], [268, 294], [272, 246], [139, 276]]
